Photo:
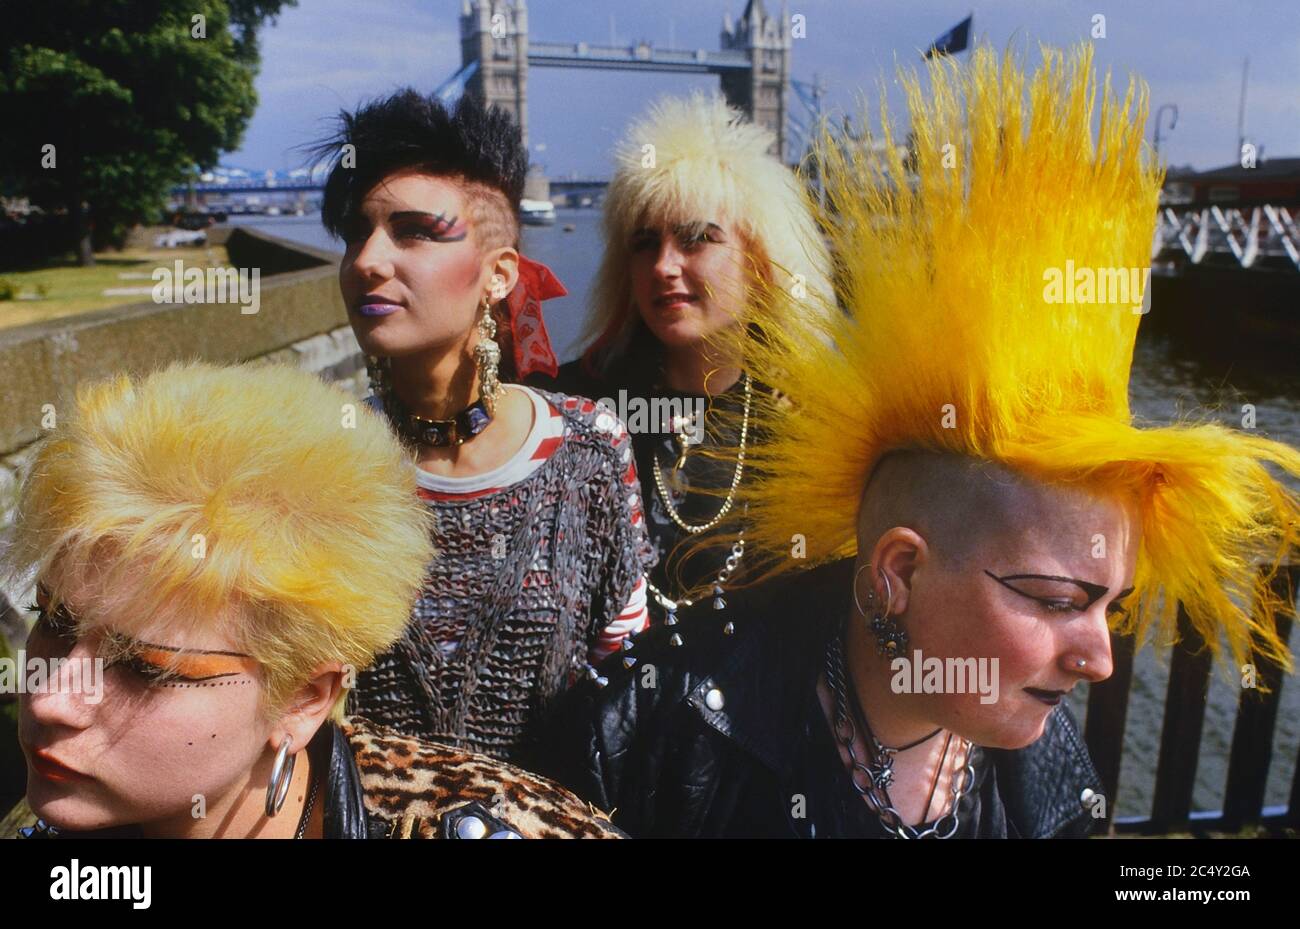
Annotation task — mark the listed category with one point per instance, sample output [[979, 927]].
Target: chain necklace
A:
[[670, 604], [306, 810], [735, 478], [879, 773]]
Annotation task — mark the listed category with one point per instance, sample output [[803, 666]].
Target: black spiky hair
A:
[[482, 145]]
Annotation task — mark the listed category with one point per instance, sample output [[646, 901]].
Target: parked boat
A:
[[537, 212]]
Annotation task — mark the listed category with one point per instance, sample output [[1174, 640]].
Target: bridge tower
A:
[[760, 91], [495, 34]]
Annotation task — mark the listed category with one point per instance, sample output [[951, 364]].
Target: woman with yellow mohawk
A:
[[959, 468], [700, 219], [216, 552]]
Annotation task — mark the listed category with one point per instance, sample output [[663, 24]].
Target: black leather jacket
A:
[[708, 742], [345, 804]]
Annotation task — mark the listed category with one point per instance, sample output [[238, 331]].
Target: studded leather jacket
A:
[[714, 737]]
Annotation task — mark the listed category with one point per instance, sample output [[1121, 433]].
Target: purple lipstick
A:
[[376, 305]]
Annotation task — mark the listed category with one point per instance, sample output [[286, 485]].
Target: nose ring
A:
[[1081, 663]]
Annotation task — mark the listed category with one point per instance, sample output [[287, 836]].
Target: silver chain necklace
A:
[[671, 605], [879, 773]]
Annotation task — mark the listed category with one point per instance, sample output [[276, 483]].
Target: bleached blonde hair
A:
[[691, 159], [951, 344], [313, 542]]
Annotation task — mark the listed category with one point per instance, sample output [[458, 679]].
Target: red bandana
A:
[[532, 346]]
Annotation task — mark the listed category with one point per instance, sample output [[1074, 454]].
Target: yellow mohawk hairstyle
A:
[[960, 334]]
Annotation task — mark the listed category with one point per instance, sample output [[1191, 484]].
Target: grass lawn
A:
[[71, 289]]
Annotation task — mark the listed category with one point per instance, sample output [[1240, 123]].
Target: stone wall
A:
[[301, 321]]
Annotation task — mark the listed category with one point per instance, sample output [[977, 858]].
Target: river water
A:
[[1166, 383]]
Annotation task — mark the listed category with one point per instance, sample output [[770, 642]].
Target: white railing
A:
[[1249, 235]]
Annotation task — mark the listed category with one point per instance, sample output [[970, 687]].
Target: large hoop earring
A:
[[890, 637], [281, 776], [871, 594], [487, 353]]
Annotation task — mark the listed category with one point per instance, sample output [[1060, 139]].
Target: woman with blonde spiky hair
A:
[[959, 468], [700, 218], [216, 552]]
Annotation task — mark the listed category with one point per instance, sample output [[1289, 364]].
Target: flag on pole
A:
[[451, 89], [954, 40]]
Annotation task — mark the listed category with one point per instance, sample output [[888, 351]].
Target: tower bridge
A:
[[752, 62]]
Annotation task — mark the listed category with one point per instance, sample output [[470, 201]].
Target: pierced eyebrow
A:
[[1094, 591]]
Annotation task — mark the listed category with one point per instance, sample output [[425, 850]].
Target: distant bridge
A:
[[250, 187], [640, 57], [753, 62]]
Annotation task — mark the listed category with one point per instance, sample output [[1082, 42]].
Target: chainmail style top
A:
[[524, 581]]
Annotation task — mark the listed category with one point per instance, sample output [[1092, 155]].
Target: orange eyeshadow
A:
[[196, 666]]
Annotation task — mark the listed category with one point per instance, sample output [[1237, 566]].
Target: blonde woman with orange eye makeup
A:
[[200, 615], [179, 712]]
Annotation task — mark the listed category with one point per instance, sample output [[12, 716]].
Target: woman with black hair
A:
[[538, 523]]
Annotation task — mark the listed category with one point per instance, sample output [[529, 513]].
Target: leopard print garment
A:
[[411, 784]]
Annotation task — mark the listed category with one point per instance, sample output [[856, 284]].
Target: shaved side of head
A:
[[952, 501]]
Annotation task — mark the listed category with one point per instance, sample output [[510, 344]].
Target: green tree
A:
[[106, 104]]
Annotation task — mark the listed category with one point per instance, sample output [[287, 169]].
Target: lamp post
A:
[[1172, 123]]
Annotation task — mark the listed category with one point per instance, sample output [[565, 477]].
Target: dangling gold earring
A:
[[488, 355], [378, 371]]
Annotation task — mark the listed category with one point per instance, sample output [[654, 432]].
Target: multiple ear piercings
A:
[[890, 637]]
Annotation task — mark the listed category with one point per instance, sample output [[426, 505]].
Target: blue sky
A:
[[329, 54]]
